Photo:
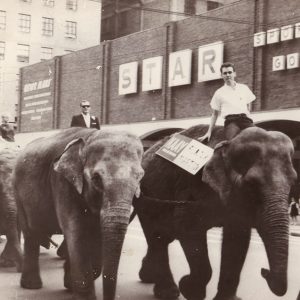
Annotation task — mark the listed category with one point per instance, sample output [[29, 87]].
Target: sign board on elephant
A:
[[187, 153]]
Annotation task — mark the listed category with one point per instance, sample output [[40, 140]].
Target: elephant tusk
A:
[[138, 192]]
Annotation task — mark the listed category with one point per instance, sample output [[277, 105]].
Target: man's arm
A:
[[73, 123], [98, 123], [212, 124]]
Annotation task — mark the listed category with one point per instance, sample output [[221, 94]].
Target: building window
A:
[[2, 19], [46, 53], [213, 5], [2, 50], [71, 4], [49, 3], [23, 53], [47, 26], [71, 29], [24, 23]]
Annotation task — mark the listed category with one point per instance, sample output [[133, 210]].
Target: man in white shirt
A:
[[232, 102]]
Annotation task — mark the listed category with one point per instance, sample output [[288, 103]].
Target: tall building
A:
[[122, 17], [36, 30]]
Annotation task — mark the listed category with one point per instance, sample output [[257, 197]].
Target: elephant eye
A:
[[97, 180]]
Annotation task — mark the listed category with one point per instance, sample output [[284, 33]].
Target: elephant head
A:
[[254, 172], [106, 172]]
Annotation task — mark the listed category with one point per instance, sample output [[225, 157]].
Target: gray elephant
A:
[[11, 255], [245, 184], [79, 181]]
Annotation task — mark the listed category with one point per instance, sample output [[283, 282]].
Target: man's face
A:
[[228, 75], [85, 108]]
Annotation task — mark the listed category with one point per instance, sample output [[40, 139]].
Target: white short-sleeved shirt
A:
[[228, 100]]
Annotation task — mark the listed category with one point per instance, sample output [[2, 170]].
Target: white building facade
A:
[[35, 30]]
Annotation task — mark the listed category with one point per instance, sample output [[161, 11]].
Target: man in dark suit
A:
[[85, 119]]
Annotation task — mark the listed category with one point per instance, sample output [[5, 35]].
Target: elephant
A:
[[12, 254], [244, 185], [79, 182]]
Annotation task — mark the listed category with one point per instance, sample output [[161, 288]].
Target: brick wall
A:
[[93, 73]]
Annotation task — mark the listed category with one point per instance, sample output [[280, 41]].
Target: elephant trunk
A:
[[115, 222], [274, 230]]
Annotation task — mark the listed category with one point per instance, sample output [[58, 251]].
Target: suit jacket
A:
[[7, 132], [78, 121]]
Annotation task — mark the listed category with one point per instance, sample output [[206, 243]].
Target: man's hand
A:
[[204, 137]]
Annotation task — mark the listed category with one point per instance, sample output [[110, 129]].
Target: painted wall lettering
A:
[[292, 61], [152, 73], [297, 30], [210, 59], [286, 33], [273, 36], [128, 78], [180, 63], [278, 63], [37, 85], [259, 39]]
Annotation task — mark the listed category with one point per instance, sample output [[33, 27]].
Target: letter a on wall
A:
[[128, 78], [180, 63], [210, 59]]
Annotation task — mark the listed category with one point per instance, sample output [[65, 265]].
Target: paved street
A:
[[252, 286]]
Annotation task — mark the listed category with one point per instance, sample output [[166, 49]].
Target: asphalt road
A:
[[252, 285]]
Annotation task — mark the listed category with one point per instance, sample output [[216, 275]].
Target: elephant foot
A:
[[7, 263], [147, 274], [167, 292], [31, 282], [191, 288]]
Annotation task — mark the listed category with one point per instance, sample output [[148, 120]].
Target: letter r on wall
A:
[[208, 60]]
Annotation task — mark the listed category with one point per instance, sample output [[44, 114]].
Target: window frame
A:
[[71, 4], [24, 23], [47, 27], [71, 31], [20, 52], [2, 19], [45, 53]]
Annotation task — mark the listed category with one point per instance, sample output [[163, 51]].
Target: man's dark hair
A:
[[227, 65]]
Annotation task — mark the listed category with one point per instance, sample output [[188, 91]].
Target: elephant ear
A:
[[70, 164], [215, 172]]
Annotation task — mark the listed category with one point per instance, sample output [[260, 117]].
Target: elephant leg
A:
[[236, 238], [78, 268], [193, 286], [12, 254], [155, 268], [30, 278], [155, 265]]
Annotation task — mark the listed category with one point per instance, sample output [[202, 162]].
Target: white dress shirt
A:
[[232, 100], [87, 120]]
